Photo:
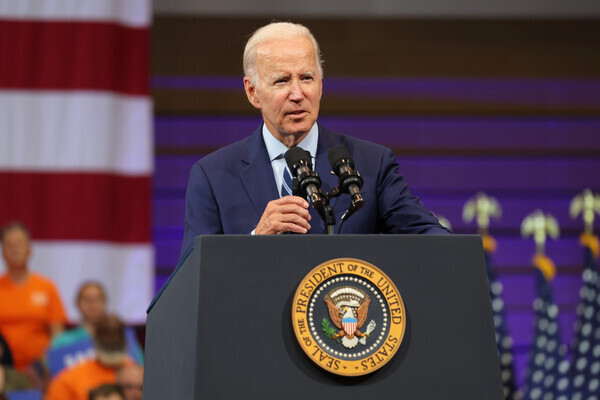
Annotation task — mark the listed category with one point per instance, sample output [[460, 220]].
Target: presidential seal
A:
[[348, 317]]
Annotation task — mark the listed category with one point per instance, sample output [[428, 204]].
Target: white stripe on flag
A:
[[126, 271], [134, 13], [76, 131]]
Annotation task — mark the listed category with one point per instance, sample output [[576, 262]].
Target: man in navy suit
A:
[[236, 190]]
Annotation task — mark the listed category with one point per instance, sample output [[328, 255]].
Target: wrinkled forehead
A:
[[287, 52]]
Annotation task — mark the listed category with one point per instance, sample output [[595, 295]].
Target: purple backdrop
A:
[[526, 162]]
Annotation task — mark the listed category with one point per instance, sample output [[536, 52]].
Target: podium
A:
[[221, 327]]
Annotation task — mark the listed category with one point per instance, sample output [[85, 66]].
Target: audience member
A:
[[131, 380], [76, 382], [91, 303], [30, 308], [107, 392]]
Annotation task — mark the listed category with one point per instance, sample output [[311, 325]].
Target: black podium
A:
[[221, 328]]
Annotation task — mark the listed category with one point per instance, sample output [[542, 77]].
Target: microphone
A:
[[349, 179], [300, 164]]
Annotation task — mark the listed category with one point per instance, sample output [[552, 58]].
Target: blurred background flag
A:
[[481, 208], [503, 338], [547, 370], [76, 144], [585, 368]]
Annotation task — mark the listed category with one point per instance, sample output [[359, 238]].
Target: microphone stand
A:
[[321, 205], [329, 216]]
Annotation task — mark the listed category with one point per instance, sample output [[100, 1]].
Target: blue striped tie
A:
[[286, 183]]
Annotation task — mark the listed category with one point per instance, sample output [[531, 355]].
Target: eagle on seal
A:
[[348, 309]]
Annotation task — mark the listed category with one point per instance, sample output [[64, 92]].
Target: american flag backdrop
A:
[[76, 145]]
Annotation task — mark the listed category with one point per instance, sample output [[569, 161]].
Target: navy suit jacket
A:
[[228, 190]]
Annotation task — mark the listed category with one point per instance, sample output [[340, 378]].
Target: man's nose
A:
[[296, 93]]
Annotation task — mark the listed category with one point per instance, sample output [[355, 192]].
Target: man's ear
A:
[[251, 92]]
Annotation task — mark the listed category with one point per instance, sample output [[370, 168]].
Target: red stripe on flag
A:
[[74, 55], [78, 206]]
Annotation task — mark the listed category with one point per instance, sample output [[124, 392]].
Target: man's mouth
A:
[[297, 113]]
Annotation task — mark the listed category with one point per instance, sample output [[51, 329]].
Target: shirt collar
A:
[[275, 148]]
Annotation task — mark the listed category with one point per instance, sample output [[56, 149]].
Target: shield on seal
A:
[[349, 325]]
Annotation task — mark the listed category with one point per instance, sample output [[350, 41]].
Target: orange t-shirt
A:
[[76, 382], [26, 312]]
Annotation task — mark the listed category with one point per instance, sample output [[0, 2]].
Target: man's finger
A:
[[292, 200]]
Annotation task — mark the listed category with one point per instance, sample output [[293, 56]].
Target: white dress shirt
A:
[[275, 148]]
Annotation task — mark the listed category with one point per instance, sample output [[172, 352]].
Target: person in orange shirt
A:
[[75, 383], [31, 311]]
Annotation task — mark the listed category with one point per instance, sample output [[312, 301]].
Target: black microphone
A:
[[349, 179], [299, 162]]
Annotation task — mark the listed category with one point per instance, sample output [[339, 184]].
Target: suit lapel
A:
[[257, 173]]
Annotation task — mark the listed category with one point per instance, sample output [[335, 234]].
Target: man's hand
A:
[[287, 214]]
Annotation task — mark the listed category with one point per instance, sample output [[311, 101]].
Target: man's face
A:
[[289, 87], [131, 379], [15, 249], [91, 304]]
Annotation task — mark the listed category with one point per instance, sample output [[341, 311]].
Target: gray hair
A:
[[275, 31]]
